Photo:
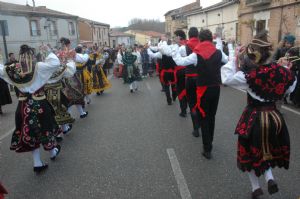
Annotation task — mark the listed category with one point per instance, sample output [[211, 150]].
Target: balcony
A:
[[257, 2]]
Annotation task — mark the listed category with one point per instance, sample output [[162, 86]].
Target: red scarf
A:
[[205, 49], [192, 42]]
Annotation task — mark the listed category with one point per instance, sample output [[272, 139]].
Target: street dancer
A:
[[263, 138], [208, 61], [34, 117]]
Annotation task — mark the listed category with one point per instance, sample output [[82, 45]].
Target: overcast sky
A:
[[115, 13]]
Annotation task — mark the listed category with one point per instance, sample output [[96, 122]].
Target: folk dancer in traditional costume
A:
[[179, 73], [54, 89], [73, 86], [191, 77], [120, 55], [208, 61], [34, 118], [100, 81], [263, 138], [131, 69], [164, 52]]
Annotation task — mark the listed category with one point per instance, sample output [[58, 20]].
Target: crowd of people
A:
[[191, 70]]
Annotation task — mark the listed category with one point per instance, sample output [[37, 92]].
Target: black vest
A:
[[167, 62], [190, 69], [209, 70]]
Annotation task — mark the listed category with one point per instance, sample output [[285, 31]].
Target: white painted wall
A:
[[103, 31], [128, 41], [211, 20]]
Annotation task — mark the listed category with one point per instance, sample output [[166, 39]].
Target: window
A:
[[71, 28], [53, 28], [35, 28], [260, 26], [114, 43]]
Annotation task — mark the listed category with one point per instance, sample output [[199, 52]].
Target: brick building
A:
[[277, 16], [93, 32]]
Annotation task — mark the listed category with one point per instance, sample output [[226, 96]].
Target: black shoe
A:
[[196, 133], [169, 102], [272, 187], [58, 151], [84, 115], [206, 154], [98, 93], [59, 139], [257, 193], [131, 90], [182, 114], [41, 168]]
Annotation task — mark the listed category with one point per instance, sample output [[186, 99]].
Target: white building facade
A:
[[35, 26], [219, 18]]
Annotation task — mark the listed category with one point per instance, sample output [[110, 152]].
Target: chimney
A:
[[198, 3], [33, 3]]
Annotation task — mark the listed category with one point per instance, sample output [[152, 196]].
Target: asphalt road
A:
[[135, 146]]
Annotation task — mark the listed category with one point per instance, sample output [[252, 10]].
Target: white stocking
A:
[[135, 85], [254, 180], [80, 109], [131, 86], [70, 110], [269, 175], [37, 162]]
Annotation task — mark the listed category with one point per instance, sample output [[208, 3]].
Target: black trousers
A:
[[191, 96], [168, 78], [209, 103], [180, 87]]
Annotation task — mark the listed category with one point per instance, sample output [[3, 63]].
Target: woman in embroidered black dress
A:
[[263, 141], [34, 118]]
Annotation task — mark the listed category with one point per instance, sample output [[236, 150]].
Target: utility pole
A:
[[3, 32]]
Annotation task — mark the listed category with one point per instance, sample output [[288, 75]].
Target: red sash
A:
[[200, 92], [162, 74]]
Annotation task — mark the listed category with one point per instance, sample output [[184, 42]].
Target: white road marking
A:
[[7, 134], [148, 86], [181, 182], [289, 109], [283, 107]]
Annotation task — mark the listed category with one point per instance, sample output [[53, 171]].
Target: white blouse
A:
[[43, 72], [236, 79], [68, 72], [192, 58]]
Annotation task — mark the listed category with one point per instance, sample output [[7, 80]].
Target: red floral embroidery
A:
[[280, 89]]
